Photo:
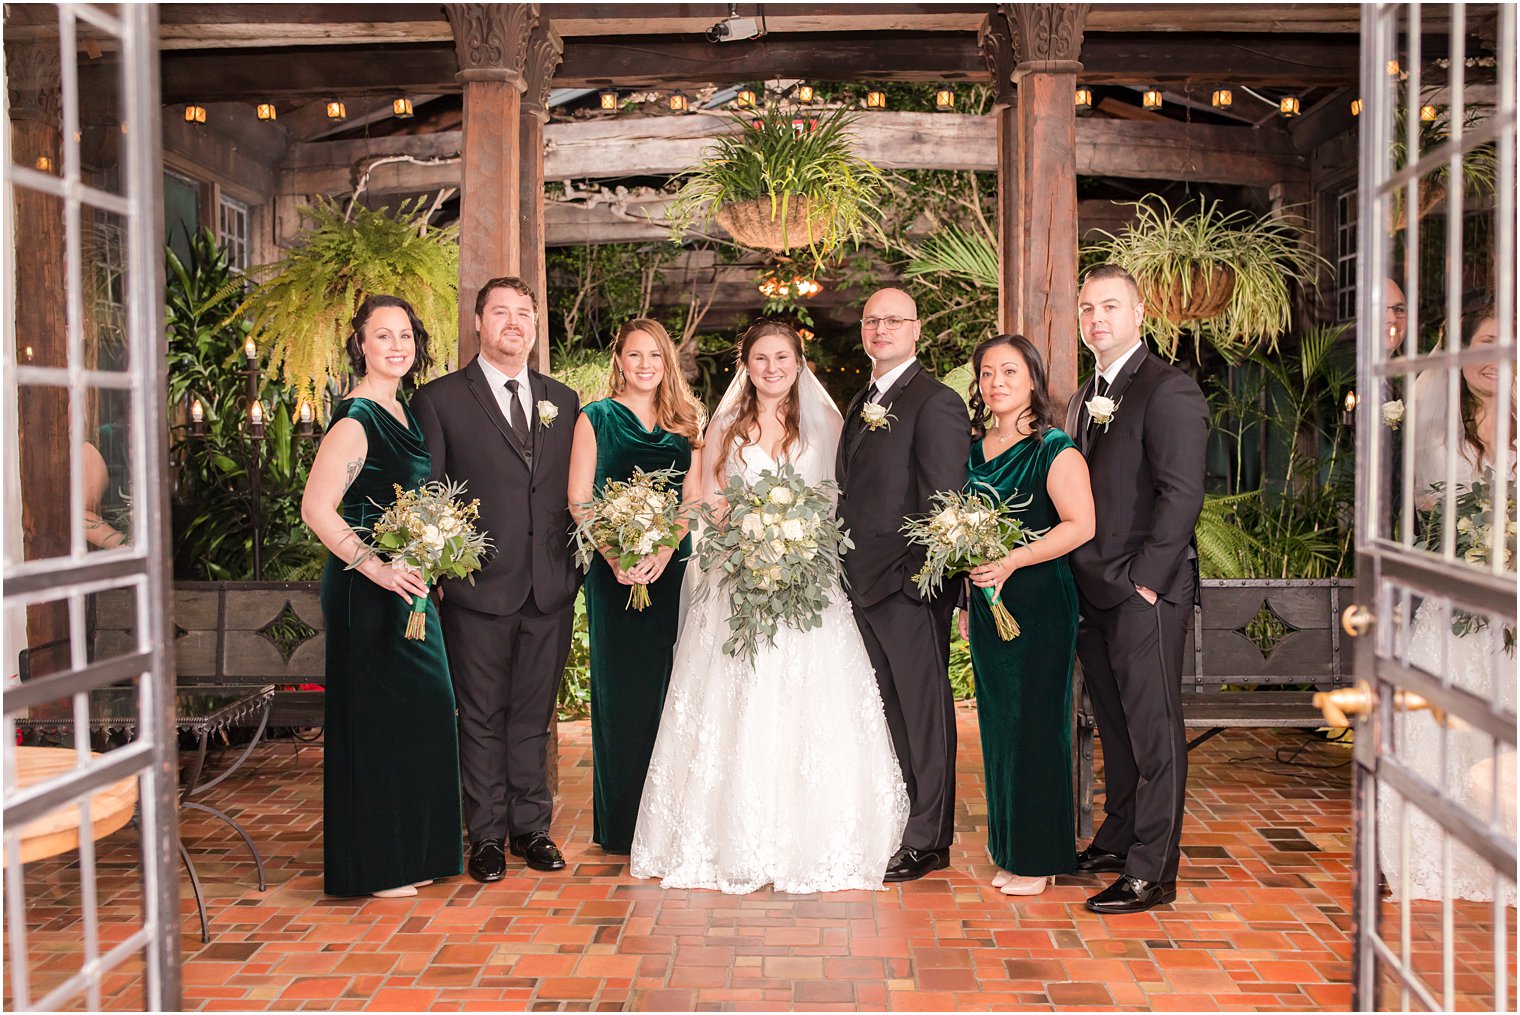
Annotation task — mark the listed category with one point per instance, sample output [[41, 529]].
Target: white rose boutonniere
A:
[[1393, 413], [548, 412], [875, 416], [1102, 409]]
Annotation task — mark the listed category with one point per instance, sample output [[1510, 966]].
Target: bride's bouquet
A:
[[775, 552], [1477, 541], [433, 530], [968, 530], [631, 519]]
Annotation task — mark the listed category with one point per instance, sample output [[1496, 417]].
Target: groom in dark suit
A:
[[906, 437], [505, 431], [1143, 425]]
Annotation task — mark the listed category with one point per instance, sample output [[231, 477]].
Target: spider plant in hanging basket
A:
[[783, 181], [1218, 277], [303, 304]]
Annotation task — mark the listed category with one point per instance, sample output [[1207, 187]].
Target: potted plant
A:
[[301, 309], [783, 180], [1223, 277]]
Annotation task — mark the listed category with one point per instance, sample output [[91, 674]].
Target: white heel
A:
[[404, 892], [1027, 886], [1001, 878], [422, 884]]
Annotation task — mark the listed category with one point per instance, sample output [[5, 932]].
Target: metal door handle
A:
[[1339, 705], [1356, 620]]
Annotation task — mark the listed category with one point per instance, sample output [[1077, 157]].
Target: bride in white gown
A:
[[778, 771], [1474, 661]]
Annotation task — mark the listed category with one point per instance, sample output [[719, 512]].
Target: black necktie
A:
[[872, 393], [516, 416], [1100, 386]]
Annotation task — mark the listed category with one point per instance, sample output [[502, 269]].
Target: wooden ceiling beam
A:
[[666, 145], [219, 75]]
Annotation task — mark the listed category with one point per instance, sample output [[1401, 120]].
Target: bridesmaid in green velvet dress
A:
[[1023, 686], [650, 421], [390, 786]]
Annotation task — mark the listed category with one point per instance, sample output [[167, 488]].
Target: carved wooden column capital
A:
[[1047, 38], [492, 40], [995, 40], [34, 80], [545, 50]]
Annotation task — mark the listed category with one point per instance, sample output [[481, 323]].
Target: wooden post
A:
[[491, 41], [996, 42], [32, 73], [544, 52], [1047, 39]]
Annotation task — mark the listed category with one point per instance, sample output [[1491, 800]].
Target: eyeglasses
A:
[[884, 323], [1399, 310]]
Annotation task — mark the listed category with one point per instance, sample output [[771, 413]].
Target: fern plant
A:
[[301, 309], [1173, 253], [960, 252], [769, 158]]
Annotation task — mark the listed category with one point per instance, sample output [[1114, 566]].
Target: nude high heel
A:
[[1027, 886], [1001, 878], [404, 892]]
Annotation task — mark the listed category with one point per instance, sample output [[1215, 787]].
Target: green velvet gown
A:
[[390, 786], [631, 650], [1023, 686]]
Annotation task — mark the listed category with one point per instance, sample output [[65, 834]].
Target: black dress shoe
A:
[[539, 851], [1093, 860], [1133, 895], [909, 864], [488, 862]]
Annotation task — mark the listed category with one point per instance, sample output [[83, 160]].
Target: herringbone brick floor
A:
[[1261, 922]]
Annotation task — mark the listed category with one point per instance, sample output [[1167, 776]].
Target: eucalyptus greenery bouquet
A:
[[1476, 541], [433, 530], [776, 552], [969, 529], [630, 519]]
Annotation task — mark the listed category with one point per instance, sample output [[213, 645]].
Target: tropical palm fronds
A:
[[960, 252]]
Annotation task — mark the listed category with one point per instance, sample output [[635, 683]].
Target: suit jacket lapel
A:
[[540, 392], [1116, 390], [887, 397], [481, 389], [1080, 423]]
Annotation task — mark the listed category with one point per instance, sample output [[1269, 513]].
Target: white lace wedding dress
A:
[[779, 772], [1476, 663]]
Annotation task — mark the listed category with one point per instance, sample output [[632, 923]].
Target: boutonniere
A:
[[1393, 413], [1102, 409], [548, 412], [875, 416]]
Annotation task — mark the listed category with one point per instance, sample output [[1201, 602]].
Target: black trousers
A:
[[909, 647], [506, 672], [1132, 668]]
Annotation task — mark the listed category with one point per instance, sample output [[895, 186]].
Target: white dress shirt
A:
[[498, 382], [885, 381], [1112, 373]]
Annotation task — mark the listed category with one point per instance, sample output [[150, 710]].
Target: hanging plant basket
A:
[[762, 224], [1208, 294]]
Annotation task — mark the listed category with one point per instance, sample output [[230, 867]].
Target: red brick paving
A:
[[1261, 921]]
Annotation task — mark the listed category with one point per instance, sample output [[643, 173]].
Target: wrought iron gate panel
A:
[[1434, 823], [83, 171]]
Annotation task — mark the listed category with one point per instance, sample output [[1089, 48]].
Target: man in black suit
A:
[[1143, 425], [505, 431], [906, 437]]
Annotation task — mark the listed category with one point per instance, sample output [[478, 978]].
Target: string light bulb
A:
[[197, 412], [1356, 107], [267, 112], [678, 102], [1288, 106], [1084, 99], [1223, 98], [195, 115], [746, 98], [944, 99], [1428, 114], [1152, 98], [876, 99], [804, 93], [402, 108], [337, 112], [609, 100]]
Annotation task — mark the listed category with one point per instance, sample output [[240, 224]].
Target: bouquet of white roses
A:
[[432, 529], [629, 520], [775, 552], [968, 530], [1476, 541]]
